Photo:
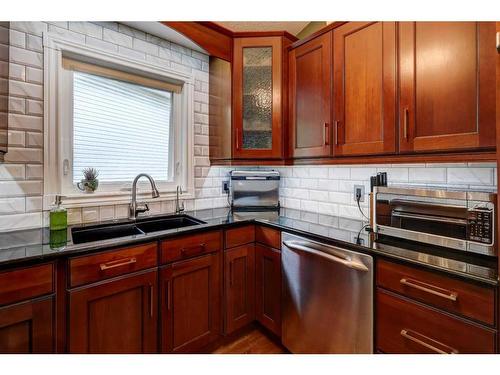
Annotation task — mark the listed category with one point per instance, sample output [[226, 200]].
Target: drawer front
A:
[[453, 295], [268, 236], [190, 246], [240, 236], [26, 283], [408, 327], [91, 268]]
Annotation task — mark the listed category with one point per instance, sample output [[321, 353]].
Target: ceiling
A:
[[293, 27]]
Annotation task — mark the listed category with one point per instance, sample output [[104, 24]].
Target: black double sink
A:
[[140, 227]]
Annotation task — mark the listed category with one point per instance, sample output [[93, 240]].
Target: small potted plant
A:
[[90, 182]]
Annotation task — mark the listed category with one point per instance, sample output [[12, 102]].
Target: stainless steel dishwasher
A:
[[327, 298]]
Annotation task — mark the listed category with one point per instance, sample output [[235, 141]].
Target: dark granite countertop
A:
[[35, 245]]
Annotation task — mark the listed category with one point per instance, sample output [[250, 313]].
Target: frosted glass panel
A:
[[257, 97], [122, 129]]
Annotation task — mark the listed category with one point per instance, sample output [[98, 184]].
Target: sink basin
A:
[[110, 231], [169, 222], [89, 234]]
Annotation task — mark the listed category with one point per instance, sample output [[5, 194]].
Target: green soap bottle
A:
[[58, 215]]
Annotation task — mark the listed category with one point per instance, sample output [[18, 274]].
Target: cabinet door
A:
[[27, 327], [447, 78], [310, 68], [268, 287], [364, 86], [191, 304], [115, 316], [239, 280], [257, 97]]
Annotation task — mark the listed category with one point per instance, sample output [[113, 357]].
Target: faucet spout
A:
[[134, 208]]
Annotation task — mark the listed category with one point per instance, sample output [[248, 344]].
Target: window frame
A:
[[58, 112]]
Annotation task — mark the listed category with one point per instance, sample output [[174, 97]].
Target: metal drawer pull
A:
[[419, 339], [117, 263], [327, 134], [200, 248], [169, 294], [336, 132], [429, 217], [429, 288]]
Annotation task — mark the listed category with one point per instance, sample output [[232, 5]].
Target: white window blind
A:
[[121, 129]]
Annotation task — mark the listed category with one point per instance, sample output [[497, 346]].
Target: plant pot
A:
[[88, 186]]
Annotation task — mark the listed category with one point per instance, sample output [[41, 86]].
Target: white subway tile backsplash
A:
[[34, 43], [21, 221], [12, 206], [90, 214], [26, 57], [87, 28], [33, 204], [28, 90], [475, 176], [12, 171], [101, 44], [17, 38], [117, 38], [16, 138], [427, 175], [20, 188], [36, 28]]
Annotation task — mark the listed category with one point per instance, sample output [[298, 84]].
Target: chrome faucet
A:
[[134, 208], [179, 206]]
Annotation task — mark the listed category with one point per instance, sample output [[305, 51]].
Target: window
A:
[[121, 129], [120, 116]]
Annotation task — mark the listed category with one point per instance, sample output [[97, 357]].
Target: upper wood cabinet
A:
[[310, 68], [364, 86], [258, 97], [447, 78]]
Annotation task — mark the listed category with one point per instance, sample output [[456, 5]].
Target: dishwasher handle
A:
[[346, 262]]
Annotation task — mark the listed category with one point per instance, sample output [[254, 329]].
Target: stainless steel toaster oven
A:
[[460, 220], [255, 190]]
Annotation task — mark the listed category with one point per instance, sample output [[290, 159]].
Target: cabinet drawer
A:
[[26, 283], [91, 268], [408, 327], [450, 294], [189, 246], [240, 236], [268, 236]]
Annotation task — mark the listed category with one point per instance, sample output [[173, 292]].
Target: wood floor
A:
[[253, 341]]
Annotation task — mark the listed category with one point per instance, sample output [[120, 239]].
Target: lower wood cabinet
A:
[[27, 327], [115, 316], [404, 326], [190, 304], [268, 287], [239, 287]]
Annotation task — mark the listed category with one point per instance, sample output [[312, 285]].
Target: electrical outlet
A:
[[225, 186], [359, 191]]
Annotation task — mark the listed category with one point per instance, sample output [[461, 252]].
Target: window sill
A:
[[79, 200]]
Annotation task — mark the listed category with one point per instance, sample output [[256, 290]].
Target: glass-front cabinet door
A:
[[257, 98]]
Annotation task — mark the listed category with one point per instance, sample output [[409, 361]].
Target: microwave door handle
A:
[[430, 218], [346, 262]]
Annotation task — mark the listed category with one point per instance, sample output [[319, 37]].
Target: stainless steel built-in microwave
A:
[[461, 220]]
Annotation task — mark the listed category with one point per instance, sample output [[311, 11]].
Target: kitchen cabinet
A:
[[26, 310], [364, 86], [420, 311], [118, 315], [268, 287], [406, 327], [239, 287], [259, 97], [27, 327], [310, 69], [190, 304], [447, 85]]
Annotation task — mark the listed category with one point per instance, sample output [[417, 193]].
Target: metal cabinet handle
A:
[[336, 122], [117, 263], [498, 41], [429, 288], [405, 123], [422, 340], [345, 261], [327, 134], [169, 296], [237, 138], [231, 274], [199, 249], [151, 300]]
